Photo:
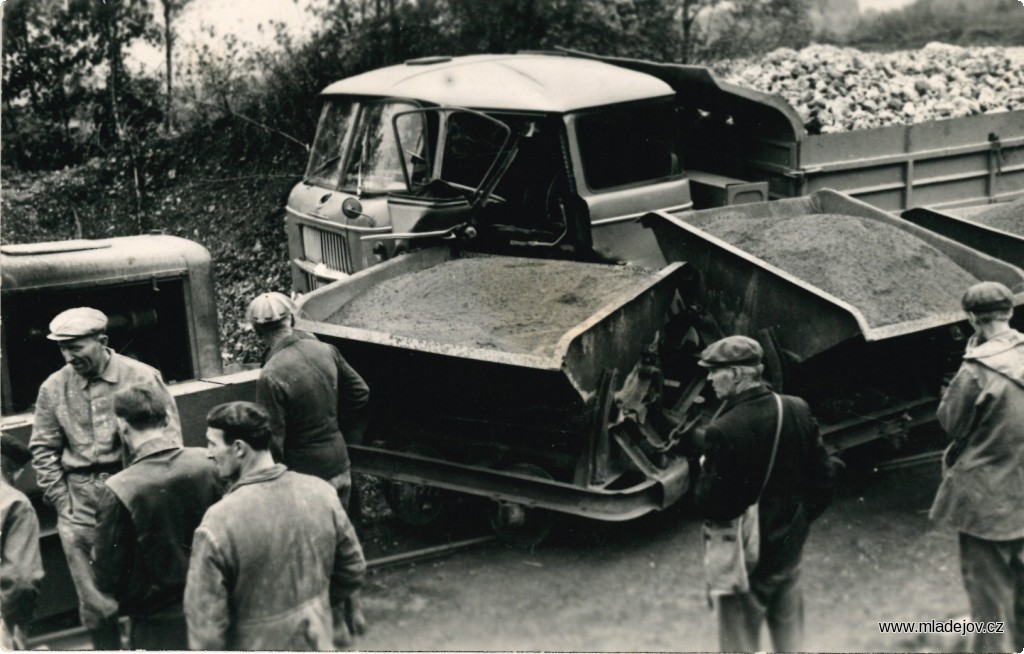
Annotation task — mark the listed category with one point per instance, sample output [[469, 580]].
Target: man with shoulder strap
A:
[[145, 520], [75, 447], [794, 488], [982, 489]]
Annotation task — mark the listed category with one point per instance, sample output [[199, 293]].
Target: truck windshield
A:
[[627, 145], [325, 159], [373, 163]]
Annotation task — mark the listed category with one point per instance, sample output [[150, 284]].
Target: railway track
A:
[[76, 638]]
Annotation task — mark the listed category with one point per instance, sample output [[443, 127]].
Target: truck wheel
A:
[[414, 504], [520, 525]]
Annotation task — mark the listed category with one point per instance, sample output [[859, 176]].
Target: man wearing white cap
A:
[[75, 447], [312, 394], [982, 489]]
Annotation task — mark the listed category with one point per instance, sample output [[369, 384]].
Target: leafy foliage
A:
[[991, 22]]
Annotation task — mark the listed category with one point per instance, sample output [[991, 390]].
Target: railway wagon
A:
[[485, 382]]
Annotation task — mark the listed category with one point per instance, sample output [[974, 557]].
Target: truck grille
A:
[[328, 248]]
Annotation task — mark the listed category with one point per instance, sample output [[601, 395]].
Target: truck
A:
[[567, 149], [157, 291]]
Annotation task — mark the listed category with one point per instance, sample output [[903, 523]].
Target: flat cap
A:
[[76, 323], [732, 351], [14, 449], [270, 307], [987, 296]]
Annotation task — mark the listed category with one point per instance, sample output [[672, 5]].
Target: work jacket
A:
[[145, 522], [982, 489], [74, 427], [21, 566], [738, 448], [269, 562], [311, 394]]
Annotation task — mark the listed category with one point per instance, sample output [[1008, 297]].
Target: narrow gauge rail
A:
[[75, 638]]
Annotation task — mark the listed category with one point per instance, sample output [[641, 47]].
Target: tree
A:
[[171, 10]]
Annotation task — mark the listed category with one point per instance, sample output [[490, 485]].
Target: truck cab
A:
[[553, 151], [564, 151]]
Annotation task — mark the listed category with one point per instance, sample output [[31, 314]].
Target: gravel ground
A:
[[638, 585]]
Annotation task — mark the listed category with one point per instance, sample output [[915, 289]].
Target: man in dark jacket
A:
[[274, 561], [738, 446], [146, 518], [982, 490], [311, 394]]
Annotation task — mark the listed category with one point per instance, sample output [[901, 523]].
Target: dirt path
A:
[[638, 586]]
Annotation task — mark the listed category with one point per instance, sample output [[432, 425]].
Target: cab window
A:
[[373, 163], [324, 166], [627, 145]]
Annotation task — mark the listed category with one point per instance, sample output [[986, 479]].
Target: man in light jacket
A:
[[982, 489], [275, 560]]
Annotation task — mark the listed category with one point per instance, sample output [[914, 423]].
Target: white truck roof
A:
[[512, 82]]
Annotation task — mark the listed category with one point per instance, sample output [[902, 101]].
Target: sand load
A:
[[890, 275], [1007, 216], [510, 304]]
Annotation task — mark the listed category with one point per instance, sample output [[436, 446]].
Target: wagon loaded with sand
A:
[[549, 385]]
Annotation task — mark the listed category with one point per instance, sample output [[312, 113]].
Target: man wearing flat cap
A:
[[750, 457], [75, 447], [982, 489], [21, 566]]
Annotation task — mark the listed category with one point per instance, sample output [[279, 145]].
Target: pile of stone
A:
[[842, 89]]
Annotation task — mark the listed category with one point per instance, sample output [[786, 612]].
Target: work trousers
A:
[[343, 484], [993, 573], [741, 615], [166, 630], [77, 530]]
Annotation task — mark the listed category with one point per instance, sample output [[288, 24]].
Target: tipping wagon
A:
[[592, 416]]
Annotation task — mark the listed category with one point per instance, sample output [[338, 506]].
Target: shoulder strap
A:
[[775, 445]]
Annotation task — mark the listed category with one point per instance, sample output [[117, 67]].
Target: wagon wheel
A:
[[520, 525], [415, 504]]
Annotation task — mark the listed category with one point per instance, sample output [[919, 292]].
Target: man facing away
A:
[[75, 447], [21, 566], [738, 447], [311, 394], [982, 489], [275, 560], [146, 518]]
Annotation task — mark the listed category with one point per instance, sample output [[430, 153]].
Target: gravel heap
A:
[[890, 275], [502, 303], [846, 89], [1007, 216]]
